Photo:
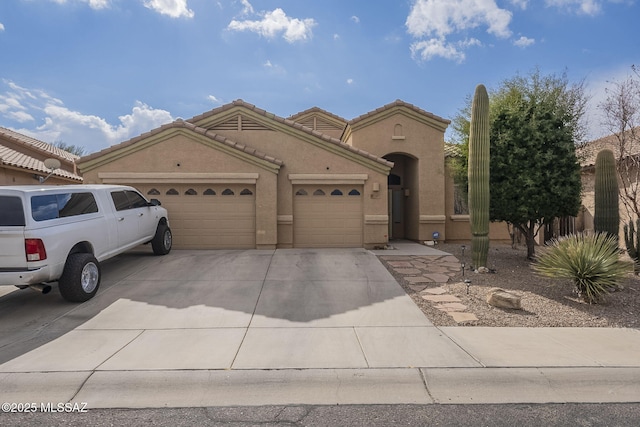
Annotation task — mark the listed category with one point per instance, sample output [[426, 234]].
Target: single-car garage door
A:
[[327, 216], [202, 216]]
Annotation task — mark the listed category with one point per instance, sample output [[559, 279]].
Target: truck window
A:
[[136, 200], [11, 213], [53, 206], [120, 200]]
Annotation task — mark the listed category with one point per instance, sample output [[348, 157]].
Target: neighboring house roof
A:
[[181, 124], [24, 160], [45, 148], [389, 108], [288, 124], [587, 153], [452, 150]]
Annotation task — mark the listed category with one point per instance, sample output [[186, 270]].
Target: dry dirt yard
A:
[[545, 302]]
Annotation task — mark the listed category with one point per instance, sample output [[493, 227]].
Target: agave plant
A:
[[591, 261]]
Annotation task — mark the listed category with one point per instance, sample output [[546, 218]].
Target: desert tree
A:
[[536, 124]]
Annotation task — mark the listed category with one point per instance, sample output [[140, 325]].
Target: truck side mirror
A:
[[155, 202]]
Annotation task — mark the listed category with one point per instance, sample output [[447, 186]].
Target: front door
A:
[[396, 214]]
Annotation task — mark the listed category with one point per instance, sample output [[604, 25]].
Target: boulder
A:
[[502, 299]]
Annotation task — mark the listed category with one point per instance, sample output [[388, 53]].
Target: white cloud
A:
[[171, 8], [349, 81], [214, 99], [522, 4], [93, 4], [59, 123], [443, 17], [247, 9], [589, 7], [524, 42], [429, 49], [433, 22], [336, 36], [277, 22], [355, 19], [1, 26]]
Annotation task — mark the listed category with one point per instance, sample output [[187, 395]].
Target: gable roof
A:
[[400, 106], [92, 160], [317, 111], [272, 121], [14, 158]]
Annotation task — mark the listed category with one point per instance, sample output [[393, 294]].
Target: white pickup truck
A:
[[62, 233]]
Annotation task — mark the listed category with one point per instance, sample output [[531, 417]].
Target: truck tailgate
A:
[[12, 254]]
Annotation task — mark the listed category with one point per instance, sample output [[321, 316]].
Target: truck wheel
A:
[[80, 278], [162, 241]]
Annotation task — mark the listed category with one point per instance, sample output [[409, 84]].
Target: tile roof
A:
[[398, 103], [45, 148], [181, 124], [316, 110], [293, 124], [11, 157], [587, 153]]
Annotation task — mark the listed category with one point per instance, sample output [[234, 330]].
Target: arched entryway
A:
[[403, 196]]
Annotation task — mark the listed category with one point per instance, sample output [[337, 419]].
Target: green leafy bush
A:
[[591, 261]]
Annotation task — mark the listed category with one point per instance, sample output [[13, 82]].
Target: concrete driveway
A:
[[215, 328], [297, 308]]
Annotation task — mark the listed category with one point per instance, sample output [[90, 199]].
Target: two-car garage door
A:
[[215, 216], [223, 216]]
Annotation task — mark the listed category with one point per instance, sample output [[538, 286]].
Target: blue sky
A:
[[98, 72]]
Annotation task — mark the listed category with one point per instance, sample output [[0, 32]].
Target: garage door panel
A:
[[206, 221], [325, 220]]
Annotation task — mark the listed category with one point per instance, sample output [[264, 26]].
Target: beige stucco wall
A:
[[404, 134], [183, 154], [320, 158], [10, 176]]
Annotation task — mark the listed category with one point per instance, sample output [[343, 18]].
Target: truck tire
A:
[[80, 278], [162, 241]]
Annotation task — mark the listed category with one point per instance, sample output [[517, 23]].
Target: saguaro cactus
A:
[[606, 217], [479, 177]]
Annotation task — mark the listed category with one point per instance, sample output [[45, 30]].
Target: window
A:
[[318, 192], [209, 192], [153, 192], [191, 192], [394, 179], [354, 192], [460, 204], [136, 200], [172, 192], [124, 200], [301, 192], [336, 192], [11, 213], [53, 206], [228, 192], [246, 192]]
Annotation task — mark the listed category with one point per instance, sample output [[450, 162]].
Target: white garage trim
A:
[[177, 177], [329, 178]]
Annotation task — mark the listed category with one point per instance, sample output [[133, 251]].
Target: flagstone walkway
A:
[[425, 274]]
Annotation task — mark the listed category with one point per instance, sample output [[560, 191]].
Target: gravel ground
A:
[[546, 302]]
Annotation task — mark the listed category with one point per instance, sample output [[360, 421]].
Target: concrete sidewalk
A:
[[315, 328]]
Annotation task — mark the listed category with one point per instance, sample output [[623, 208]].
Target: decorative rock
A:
[[482, 270], [461, 317], [502, 299]]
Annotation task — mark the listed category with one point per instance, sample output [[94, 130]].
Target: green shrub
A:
[[591, 261]]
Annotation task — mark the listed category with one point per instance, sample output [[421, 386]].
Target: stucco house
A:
[[628, 161], [241, 177], [22, 161]]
